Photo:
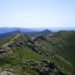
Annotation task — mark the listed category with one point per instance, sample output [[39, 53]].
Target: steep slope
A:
[[29, 58], [62, 43], [65, 41]]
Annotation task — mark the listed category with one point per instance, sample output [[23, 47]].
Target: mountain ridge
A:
[[35, 53]]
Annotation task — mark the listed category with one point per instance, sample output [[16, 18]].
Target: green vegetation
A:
[[63, 43], [20, 54], [20, 58]]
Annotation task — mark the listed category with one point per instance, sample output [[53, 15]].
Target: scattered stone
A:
[[8, 72], [46, 68]]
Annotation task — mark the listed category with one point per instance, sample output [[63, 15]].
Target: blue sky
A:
[[37, 13]]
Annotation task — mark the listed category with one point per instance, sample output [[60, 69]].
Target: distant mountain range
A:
[[5, 32], [11, 29]]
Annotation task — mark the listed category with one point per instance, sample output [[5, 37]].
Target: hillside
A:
[[21, 55], [65, 44], [62, 43]]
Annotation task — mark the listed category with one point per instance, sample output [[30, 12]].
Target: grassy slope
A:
[[67, 48], [19, 54], [63, 43], [25, 54]]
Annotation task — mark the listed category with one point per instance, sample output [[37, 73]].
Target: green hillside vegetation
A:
[[63, 43], [22, 57]]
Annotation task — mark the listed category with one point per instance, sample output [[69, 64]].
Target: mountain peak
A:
[[47, 30], [18, 31]]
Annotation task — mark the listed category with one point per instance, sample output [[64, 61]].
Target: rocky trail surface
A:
[[5, 47]]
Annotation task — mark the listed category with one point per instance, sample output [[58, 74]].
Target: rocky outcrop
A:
[[34, 46], [5, 50], [46, 68], [25, 43], [8, 72], [40, 37]]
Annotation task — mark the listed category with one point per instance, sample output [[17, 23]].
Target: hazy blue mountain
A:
[[6, 29], [5, 32], [8, 34], [45, 32]]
